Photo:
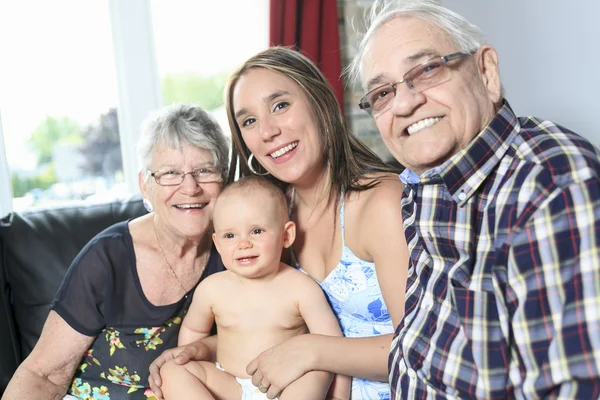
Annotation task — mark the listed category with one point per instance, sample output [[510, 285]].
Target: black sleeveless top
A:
[[101, 296]]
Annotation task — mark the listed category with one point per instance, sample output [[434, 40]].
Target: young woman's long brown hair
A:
[[348, 160]]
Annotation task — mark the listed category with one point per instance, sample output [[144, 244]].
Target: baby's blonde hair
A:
[[253, 183]]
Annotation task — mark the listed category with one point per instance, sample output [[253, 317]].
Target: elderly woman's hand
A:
[[281, 365], [196, 351]]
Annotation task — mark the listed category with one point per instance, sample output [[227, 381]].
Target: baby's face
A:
[[250, 233]]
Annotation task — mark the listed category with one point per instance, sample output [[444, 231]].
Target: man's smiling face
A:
[[423, 130]]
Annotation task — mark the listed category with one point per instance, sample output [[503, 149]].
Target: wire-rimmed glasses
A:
[[426, 75], [174, 177]]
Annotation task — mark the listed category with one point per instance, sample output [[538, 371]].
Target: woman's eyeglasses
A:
[[175, 177]]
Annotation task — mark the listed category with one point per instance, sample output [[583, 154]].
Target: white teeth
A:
[[190, 206], [424, 123], [283, 150]]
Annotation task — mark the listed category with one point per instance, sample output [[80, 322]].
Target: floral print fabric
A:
[[355, 297], [101, 296], [94, 377]]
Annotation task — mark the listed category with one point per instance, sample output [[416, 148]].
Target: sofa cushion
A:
[[8, 353], [39, 246]]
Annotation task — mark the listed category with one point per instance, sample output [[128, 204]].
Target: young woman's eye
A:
[[257, 231], [281, 105], [248, 121]]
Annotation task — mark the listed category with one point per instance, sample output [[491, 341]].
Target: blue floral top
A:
[[355, 297], [101, 296]]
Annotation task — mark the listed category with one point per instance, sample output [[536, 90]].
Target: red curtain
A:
[[312, 27]]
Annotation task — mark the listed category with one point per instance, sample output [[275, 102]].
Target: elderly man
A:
[[502, 216]]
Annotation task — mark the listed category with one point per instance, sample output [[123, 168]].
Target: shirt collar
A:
[[409, 177], [464, 172]]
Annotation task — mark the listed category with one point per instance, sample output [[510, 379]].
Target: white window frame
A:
[[5, 181], [138, 87]]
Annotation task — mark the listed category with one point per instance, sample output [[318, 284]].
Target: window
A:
[[199, 43], [76, 77], [59, 102]]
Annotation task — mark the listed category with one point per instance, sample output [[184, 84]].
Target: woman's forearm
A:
[[358, 357], [26, 384], [211, 347]]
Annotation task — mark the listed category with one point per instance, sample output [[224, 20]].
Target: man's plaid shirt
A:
[[503, 298]]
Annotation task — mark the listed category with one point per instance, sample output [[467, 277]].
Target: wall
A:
[[549, 59], [549, 56], [351, 13]]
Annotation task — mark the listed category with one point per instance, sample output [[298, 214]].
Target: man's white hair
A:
[[466, 36]]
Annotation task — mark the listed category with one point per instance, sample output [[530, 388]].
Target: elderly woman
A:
[[122, 300]]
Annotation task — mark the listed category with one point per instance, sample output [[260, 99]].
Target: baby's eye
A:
[[228, 236], [257, 231], [248, 121]]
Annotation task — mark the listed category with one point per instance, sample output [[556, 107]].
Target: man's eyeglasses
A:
[[426, 75], [175, 177]]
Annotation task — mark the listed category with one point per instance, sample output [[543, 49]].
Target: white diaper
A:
[[249, 391]]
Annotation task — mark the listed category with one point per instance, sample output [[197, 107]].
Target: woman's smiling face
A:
[[186, 209], [278, 125]]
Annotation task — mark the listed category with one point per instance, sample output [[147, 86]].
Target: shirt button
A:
[[427, 303], [462, 196], [412, 374]]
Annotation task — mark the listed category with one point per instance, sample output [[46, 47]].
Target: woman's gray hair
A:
[[466, 36], [178, 125]]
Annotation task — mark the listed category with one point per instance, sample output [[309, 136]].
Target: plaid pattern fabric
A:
[[503, 298]]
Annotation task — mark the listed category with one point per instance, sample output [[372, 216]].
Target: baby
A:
[[257, 303]]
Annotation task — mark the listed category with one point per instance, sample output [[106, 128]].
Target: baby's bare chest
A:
[[245, 314]]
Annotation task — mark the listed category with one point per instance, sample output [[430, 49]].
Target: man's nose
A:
[[406, 101]]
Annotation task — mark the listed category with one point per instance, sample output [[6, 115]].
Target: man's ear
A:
[[487, 64], [289, 234]]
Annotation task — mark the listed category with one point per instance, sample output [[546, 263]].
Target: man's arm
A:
[[554, 286], [48, 371]]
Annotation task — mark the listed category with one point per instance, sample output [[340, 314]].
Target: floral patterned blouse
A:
[[353, 291], [101, 296]]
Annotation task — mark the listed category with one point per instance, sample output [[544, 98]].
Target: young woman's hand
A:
[[282, 364]]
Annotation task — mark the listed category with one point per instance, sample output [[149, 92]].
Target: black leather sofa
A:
[[36, 248]]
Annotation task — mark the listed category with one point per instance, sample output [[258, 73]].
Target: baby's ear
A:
[[289, 234], [216, 242]]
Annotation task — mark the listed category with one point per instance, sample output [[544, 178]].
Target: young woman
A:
[[286, 122]]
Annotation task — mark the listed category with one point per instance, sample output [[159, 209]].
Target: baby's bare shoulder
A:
[[215, 284], [292, 274], [295, 280]]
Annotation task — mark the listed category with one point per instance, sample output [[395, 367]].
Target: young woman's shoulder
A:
[[388, 189], [379, 202]]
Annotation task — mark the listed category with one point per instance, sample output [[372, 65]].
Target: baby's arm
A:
[[320, 320], [199, 319]]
